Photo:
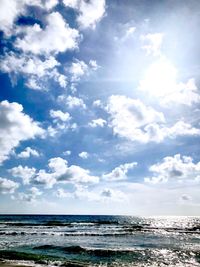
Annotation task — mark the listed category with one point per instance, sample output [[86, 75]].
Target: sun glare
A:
[[160, 78]]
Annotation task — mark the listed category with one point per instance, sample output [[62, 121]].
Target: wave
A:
[[123, 231], [91, 251], [59, 223], [76, 233], [44, 255], [31, 259]]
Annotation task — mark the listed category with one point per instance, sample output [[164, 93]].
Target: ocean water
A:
[[71, 240]]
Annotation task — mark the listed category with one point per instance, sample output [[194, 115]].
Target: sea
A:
[[84, 240]]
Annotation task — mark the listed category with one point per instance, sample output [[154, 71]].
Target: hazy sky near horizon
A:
[[99, 107]]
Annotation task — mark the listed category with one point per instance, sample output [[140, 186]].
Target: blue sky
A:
[[99, 110]]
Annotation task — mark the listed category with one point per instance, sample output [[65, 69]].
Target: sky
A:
[[99, 107]]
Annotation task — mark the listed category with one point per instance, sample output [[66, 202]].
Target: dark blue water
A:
[[101, 240]]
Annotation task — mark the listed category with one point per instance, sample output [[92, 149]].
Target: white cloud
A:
[[176, 168], [56, 37], [33, 68], [61, 193], [59, 115], [72, 101], [98, 122], [97, 103], [76, 174], [33, 83], [31, 196], [9, 11], [7, 186], [180, 129], [59, 172], [131, 119], [15, 127], [119, 173], [25, 173], [183, 93], [83, 155], [78, 69], [71, 3], [60, 78], [52, 131], [93, 64], [44, 178], [58, 165], [90, 12], [28, 64], [49, 4], [153, 42], [28, 152], [60, 127], [12, 9], [62, 121], [128, 116], [157, 133], [67, 153]]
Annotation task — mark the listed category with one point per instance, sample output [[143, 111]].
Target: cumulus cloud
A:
[[90, 12], [75, 174], [34, 69], [78, 69], [28, 152], [176, 168], [131, 119], [183, 93], [97, 122], [30, 196], [15, 127], [58, 172], [49, 4], [9, 11], [25, 173], [27, 64], [67, 153], [44, 178], [120, 172], [56, 37], [97, 103], [152, 43], [83, 155], [93, 64], [7, 186], [58, 115], [12, 9], [62, 122], [72, 101], [128, 116]]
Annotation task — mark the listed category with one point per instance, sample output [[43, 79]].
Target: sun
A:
[[160, 78]]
